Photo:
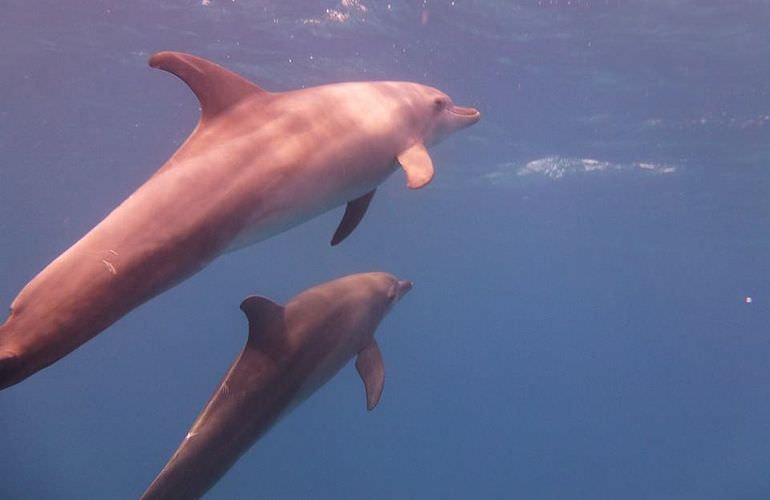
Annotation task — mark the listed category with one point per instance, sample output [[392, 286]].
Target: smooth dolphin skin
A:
[[291, 351], [257, 164]]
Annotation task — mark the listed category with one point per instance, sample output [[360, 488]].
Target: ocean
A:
[[590, 263]]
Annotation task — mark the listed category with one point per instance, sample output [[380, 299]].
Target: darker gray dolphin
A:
[[291, 351], [257, 164]]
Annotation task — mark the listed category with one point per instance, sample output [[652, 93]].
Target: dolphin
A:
[[291, 351], [256, 164]]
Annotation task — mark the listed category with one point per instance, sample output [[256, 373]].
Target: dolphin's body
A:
[[257, 164], [291, 351]]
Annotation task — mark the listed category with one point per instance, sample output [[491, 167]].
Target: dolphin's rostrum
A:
[[257, 164], [291, 351]]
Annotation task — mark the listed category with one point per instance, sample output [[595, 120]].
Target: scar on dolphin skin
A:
[[290, 352], [291, 156], [110, 267]]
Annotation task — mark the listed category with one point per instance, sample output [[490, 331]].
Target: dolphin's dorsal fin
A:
[[263, 314], [217, 89], [354, 212], [417, 164], [370, 367]]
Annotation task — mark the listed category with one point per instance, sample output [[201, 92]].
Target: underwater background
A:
[[590, 312]]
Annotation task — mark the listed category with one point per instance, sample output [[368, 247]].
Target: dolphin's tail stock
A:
[[9, 362]]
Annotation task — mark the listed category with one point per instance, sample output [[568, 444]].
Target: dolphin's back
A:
[[284, 361], [252, 396], [218, 437]]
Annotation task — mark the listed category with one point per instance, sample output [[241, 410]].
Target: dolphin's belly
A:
[[263, 226], [302, 201]]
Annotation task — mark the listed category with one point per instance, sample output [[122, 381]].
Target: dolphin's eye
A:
[[439, 104]]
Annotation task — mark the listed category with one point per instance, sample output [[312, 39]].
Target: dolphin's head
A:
[[360, 301], [412, 112], [436, 116], [398, 289], [386, 288], [375, 292]]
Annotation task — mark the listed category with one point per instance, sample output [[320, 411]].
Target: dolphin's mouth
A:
[[468, 112], [403, 287], [467, 116]]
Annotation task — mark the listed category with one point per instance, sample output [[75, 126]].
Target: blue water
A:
[[579, 326]]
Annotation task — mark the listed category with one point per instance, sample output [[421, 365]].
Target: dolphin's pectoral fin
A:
[[216, 88], [263, 314], [417, 164], [9, 365], [354, 212], [370, 367]]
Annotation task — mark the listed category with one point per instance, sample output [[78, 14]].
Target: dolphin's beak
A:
[[469, 115], [403, 288]]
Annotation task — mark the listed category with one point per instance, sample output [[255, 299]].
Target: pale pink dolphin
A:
[[257, 164], [291, 351]]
